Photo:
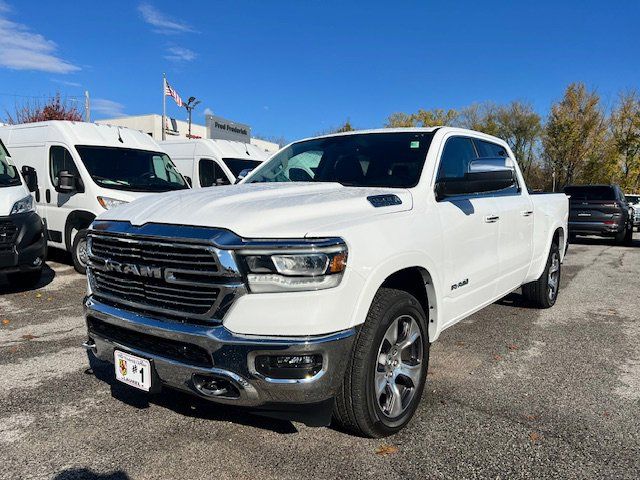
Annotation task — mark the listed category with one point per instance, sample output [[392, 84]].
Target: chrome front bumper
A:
[[232, 356]]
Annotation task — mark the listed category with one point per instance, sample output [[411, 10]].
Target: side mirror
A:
[[189, 182], [483, 176], [243, 174], [30, 178], [66, 182], [221, 181]]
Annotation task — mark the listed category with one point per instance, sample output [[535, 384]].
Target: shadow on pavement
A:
[[605, 241], [185, 404], [86, 474], [8, 287]]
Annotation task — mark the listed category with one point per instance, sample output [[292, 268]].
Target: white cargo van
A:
[[208, 162], [84, 169], [22, 239]]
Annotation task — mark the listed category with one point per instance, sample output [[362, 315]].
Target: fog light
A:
[[293, 367]]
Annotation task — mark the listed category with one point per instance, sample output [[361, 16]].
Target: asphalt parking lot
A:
[[513, 392]]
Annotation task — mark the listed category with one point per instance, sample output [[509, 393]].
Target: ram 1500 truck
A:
[[319, 282]]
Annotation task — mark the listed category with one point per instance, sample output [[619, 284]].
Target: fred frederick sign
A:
[[223, 129]]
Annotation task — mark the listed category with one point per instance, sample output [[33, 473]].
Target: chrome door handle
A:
[[491, 218], [527, 213]]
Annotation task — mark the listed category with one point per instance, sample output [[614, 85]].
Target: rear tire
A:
[[543, 293], [386, 373], [628, 238], [79, 252]]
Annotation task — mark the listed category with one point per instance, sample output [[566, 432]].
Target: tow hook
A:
[[89, 345]]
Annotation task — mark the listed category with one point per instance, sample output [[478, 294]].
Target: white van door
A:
[[60, 205]]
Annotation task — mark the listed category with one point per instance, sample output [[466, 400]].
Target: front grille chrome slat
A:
[[162, 276]]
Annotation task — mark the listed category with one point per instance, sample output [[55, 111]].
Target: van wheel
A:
[[543, 293], [79, 252], [628, 237], [386, 373]]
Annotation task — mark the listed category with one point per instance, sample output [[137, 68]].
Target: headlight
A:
[[295, 270], [108, 203], [23, 205]]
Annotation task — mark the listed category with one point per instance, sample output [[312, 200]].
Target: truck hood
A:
[[275, 210], [9, 196]]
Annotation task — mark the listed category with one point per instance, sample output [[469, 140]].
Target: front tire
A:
[[543, 293], [79, 252], [386, 373]]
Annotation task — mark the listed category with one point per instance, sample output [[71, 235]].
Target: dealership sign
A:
[[223, 129]]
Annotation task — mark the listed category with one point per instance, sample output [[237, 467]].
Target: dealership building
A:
[[215, 127]]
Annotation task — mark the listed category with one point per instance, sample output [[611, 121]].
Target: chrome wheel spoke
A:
[[391, 336], [412, 335], [395, 401], [381, 384], [412, 372]]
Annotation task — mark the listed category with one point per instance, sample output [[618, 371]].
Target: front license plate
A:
[[132, 370]]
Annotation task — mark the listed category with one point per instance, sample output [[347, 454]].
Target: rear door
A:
[[470, 231], [515, 211]]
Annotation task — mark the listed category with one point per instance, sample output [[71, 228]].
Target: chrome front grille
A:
[[162, 275]]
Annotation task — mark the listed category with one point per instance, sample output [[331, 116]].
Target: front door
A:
[[60, 205], [470, 235]]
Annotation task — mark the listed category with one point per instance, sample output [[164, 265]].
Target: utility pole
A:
[[87, 106], [164, 105]]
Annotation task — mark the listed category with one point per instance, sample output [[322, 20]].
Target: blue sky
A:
[[294, 68]]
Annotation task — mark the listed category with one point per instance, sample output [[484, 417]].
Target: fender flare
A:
[[561, 246], [77, 219], [375, 279]]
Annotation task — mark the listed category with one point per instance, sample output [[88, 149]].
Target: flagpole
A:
[[164, 105]]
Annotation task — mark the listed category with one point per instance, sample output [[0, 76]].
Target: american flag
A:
[[170, 92]]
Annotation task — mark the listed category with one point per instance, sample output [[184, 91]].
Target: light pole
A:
[[190, 105]]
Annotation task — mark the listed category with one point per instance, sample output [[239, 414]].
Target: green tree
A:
[[574, 134], [422, 118], [624, 125]]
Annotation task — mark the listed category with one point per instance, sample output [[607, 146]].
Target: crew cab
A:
[[600, 210], [23, 245], [321, 296]]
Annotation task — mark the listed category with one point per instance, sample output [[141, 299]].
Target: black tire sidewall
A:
[[81, 235], [403, 305]]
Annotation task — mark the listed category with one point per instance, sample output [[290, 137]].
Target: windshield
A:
[[592, 192], [359, 160], [9, 176], [236, 165], [633, 199], [131, 169]]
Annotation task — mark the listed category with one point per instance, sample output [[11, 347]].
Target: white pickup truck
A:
[[317, 284]]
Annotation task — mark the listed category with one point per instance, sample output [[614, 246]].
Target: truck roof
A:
[[78, 133], [461, 131]]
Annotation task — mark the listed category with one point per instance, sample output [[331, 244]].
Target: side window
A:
[[489, 149], [457, 153], [211, 174], [60, 160]]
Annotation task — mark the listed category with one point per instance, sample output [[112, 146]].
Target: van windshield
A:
[[9, 176], [358, 160], [131, 169], [236, 165]]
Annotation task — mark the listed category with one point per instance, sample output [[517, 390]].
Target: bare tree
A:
[[55, 108]]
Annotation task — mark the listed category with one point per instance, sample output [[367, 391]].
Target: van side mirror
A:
[[243, 174], [188, 180], [483, 176], [66, 182], [30, 178]]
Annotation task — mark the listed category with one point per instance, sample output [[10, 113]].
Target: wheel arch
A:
[[413, 275], [77, 219]]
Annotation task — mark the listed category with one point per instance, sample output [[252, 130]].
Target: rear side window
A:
[[60, 160], [211, 174], [591, 193], [489, 149], [457, 153]]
